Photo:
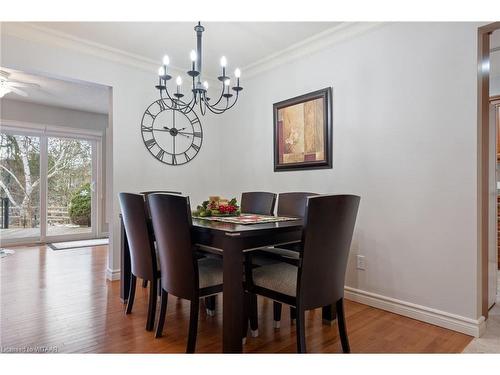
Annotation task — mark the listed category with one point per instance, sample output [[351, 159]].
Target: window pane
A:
[[69, 186], [19, 187]]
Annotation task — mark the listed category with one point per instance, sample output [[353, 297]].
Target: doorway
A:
[[49, 183]]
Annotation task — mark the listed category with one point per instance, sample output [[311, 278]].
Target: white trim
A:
[[37, 33], [472, 327], [113, 275], [318, 42], [51, 130], [41, 34]]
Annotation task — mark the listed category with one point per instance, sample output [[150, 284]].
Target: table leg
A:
[[233, 296], [124, 264]]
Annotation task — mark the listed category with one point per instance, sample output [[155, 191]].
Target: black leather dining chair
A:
[[292, 204], [142, 251], [258, 202], [318, 278], [183, 275], [148, 213]]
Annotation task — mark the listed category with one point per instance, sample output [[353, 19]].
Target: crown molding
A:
[[36, 33], [322, 40], [41, 34]]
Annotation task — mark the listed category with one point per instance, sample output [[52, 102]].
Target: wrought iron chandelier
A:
[[199, 88]]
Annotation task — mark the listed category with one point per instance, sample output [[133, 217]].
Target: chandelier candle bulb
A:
[[166, 60], [223, 61]]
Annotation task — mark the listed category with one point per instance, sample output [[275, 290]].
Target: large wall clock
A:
[[171, 136]]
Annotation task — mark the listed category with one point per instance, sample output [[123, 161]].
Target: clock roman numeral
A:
[[150, 114], [160, 154], [196, 147], [150, 143], [196, 120], [187, 157], [147, 128], [174, 159], [197, 134]]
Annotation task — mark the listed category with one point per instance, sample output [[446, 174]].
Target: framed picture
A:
[[303, 132]]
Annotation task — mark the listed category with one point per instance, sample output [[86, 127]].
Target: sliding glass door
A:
[[20, 187], [47, 187], [69, 187]]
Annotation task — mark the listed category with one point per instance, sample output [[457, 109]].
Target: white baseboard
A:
[[439, 318], [112, 275]]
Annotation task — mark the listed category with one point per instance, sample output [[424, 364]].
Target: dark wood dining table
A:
[[231, 241]]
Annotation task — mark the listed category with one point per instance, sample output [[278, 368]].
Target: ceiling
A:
[[243, 43], [81, 96]]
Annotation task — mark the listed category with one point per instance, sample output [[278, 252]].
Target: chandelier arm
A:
[[203, 104], [171, 99], [165, 102], [218, 111], [220, 97], [222, 110]]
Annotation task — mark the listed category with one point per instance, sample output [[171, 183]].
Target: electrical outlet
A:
[[360, 262]]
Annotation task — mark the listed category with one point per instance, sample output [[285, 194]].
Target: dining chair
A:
[[254, 202], [142, 251], [292, 204], [145, 195], [258, 202], [318, 278], [183, 275]]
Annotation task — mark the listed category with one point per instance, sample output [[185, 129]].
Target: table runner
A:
[[248, 219]]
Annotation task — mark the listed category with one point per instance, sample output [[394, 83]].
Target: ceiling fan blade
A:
[[18, 92], [22, 84]]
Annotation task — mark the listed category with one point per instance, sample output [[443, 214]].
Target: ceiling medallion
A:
[[176, 100]]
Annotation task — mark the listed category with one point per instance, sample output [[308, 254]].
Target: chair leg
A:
[[193, 326], [293, 314], [152, 306], [163, 312], [300, 330], [342, 327], [246, 315], [144, 283], [210, 305], [131, 294], [254, 317], [277, 314]]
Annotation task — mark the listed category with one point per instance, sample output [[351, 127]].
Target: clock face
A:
[[171, 136]]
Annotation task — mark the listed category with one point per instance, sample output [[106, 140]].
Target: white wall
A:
[[404, 129], [45, 114], [404, 139], [134, 169]]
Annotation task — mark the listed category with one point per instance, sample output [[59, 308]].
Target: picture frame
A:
[[303, 132]]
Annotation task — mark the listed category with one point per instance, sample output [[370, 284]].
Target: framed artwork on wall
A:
[[303, 132]]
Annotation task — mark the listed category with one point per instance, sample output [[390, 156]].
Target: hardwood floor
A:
[[60, 300]]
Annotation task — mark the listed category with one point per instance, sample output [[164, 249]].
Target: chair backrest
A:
[[293, 204], [147, 193], [258, 202], [142, 253], [171, 216], [329, 226]]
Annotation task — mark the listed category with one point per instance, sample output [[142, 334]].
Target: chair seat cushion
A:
[[279, 277], [210, 272]]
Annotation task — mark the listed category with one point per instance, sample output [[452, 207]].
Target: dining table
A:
[[231, 241]]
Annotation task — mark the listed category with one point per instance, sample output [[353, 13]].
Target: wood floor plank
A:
[[61, 299]]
